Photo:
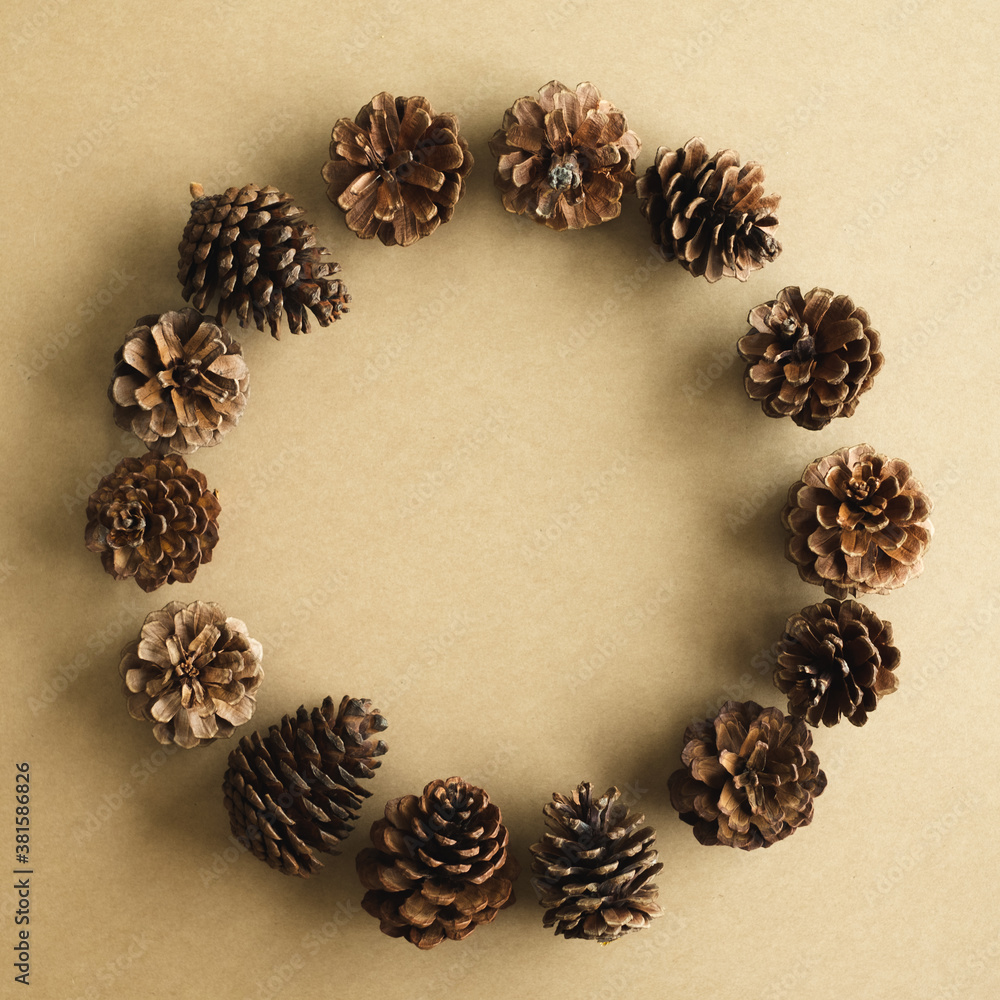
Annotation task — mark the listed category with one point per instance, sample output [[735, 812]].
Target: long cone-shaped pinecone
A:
[[857, 523], [194, 672], [252, 247], [179, 383], [397, 170], [593, 871], [749, 777], [565, 158], [154, 519], [295, 791], [440, 866], [836, 659], [809, 357], [709, 213]]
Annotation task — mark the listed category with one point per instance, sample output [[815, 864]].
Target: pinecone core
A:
[[564, 173]]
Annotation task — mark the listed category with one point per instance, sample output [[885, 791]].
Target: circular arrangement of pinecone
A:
[[809, 357], [193, 672], [296, 791], [252, 247], [439, 867], [709, 213], [749, 777], [593, 871], [835, 659], [857, 523], [179, 383], [398, 170], [565, 158], [154, 519]]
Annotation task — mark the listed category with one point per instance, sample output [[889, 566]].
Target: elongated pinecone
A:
[[440, 866], [836, 659], [709, 213], [179, 383], [565, 157], [593, 871], [749, 777], [809, 357], [857, 523], [193, 672], [252, 247], [295, 791], [397, 170], [154, 519]]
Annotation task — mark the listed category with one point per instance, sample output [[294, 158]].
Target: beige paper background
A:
[[518, 496]]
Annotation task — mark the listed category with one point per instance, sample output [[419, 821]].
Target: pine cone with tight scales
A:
[[857, 523], [296, 791], [593, 870], [564, 158], [154, 519], [835, 660], [809, 357], [709, 213], [179, 383], [439, 867], [749, 777], [193, 672], [252, 248], [398, 170]]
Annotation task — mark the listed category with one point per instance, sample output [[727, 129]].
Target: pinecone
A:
[[253, 248], [440, 866], [192, 671], [749, 777], [809, 357], [710, 214], [857, 523], [593, 871], [295, 791], [835, 659], [154, 519], [397, 170], [565, 157], [179, 382]]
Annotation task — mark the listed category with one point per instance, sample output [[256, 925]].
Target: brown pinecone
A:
[[252, 247], [811, 357], [153, 518], [565, 157], [397, 170], [192, 671], [709, 213], [857, 523], [749, 777], [593, 871], [835, 659], [440, 866], [295, 791], [179, 383]]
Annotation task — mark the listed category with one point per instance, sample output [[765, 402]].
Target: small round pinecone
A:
[[295, 791], [709, 213], [593, 870], [749, 777], [397, 170], [857, 523], [836, 659], [252, 247], [809, 357], [565, 157], [154, 519], [179, 383], [192, 671], [439, 867]]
